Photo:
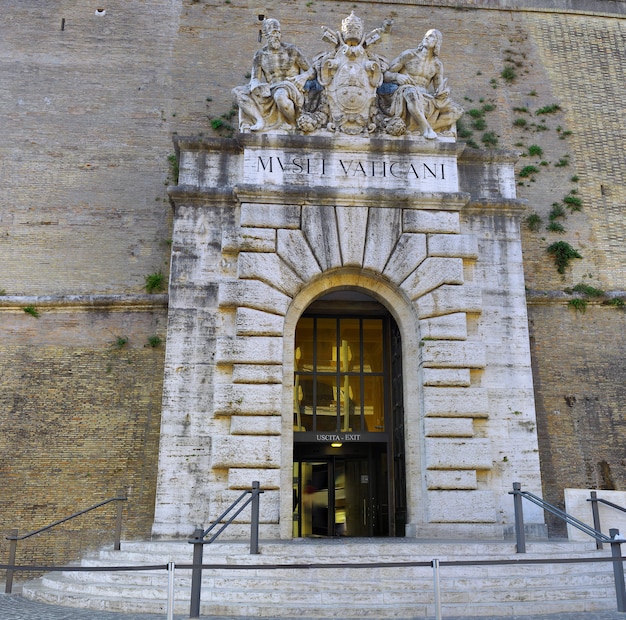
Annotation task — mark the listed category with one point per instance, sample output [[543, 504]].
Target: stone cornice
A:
[[598, 8], [111, 303], [350, 198], [560, 298]]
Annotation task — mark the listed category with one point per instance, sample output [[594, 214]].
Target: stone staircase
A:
[[374, 592]]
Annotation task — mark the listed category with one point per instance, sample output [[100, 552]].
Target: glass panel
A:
[[349, 353], [372, 345], [314, 510], [326, 345], [373, 404], [302, 403], [303, 352], [296, 500], [326, 403], [350, 411]]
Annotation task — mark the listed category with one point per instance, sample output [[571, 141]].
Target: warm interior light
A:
[[336, 445]]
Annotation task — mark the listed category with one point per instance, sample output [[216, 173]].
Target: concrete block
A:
[[446, 327], [456, 402], [251, 350], [296, 252], [409, 252], [442, 354], [449, 299], [242, 399], [248, 240], [246, 451], [270, 216], [471, 453], [271, 269], [447, 377], [451, 480], [257, 373], [239, 478], [461, 507], [449, 427], [464, 246], [431, 221], [255, 425], [432, 273], [378, 247], [250, 322], [576, 504], [319, 224], [252, 294], [352, 222]]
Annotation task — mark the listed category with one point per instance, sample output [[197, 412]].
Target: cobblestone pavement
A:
[[14, 607]]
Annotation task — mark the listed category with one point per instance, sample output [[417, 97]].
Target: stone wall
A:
[[90, 105]]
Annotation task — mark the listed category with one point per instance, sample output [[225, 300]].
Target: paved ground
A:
[[14, 607]]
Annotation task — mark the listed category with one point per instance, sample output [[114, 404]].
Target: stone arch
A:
[[404, 313]]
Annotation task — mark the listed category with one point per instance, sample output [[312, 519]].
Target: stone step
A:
[[372, 592]]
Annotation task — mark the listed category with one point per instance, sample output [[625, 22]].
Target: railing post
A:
[[170, 590], [8, 588], [196, 572], [254, 518], [437, 586], [520, 535], [618, 568], [596, 516], [118, 524]]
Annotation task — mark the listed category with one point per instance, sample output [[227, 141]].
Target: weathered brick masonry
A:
[[89, 106]]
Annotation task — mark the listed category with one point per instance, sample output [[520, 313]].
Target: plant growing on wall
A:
[[32, 311], [155, 282], [562, 252]]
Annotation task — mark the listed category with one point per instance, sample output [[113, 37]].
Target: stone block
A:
[[296, 252], [471, 453], [449, 427], [248, 240], [446, 327], [450, 354], [456, 402], [240, 528], [576, 504], [447, 377], [464, 246], [252, 294], [270, 216], [432, 273], [451, 480], [409, 251], [319, 224], [250, 322], [255, 425], [378, 246], [352, 222], [449, 299], [239, 478], [271, 269], [431, 221], [242, 399], [246, 451], [257, 373], [461, 507], [250, 350]]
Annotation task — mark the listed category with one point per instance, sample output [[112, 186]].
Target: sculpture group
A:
[[350, 89]]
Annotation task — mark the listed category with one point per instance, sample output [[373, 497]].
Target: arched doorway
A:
[[348, 463]]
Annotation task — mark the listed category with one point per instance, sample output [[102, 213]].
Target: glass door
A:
[[341, 496]]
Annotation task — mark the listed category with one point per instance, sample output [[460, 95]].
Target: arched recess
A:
[[406, 319]]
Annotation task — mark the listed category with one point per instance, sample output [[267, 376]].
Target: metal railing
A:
[[13, 537], [614, 539], [595, 500], [198, 540]]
